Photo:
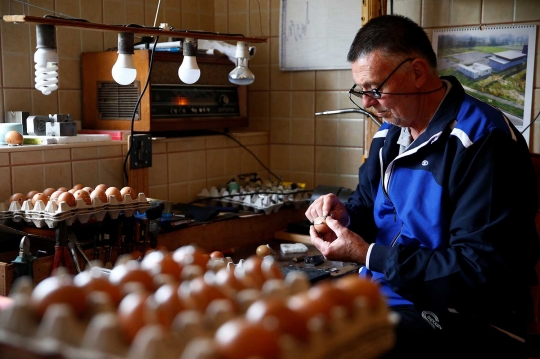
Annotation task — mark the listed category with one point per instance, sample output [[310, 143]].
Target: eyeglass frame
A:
[[375, 93]]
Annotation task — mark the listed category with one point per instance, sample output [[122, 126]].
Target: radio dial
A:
[[223, 100]]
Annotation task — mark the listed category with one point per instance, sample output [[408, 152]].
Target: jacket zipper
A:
[[388, 197]]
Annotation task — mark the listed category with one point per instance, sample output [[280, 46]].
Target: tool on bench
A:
[[61, 250], [24, 262], [73, 241]]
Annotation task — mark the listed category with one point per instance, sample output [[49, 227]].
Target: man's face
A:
[[370, 71]]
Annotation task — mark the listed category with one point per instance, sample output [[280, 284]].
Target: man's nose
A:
[[368, 101]]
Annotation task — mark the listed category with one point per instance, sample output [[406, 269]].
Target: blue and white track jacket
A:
[[452, 217]]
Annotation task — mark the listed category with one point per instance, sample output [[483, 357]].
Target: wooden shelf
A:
[[206, 35]]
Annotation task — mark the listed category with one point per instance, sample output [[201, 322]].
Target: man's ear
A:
[[421, 72]]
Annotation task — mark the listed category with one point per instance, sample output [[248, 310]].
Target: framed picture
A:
[[494, 64]]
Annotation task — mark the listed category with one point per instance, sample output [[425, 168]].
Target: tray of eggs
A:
[[51, 206], [267, 200], [188, 304]]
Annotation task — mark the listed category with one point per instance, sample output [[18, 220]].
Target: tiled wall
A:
[[287, 136]]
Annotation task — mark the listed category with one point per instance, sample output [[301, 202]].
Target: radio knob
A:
[[223, 99], [194, 110]]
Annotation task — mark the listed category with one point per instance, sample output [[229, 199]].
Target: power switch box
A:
[[141, 151]]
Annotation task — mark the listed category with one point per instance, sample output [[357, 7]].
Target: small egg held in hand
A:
[[264, 250], [320, 225]]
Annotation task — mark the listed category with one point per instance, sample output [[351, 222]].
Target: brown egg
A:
[[82, 194], [320, 225], [40, 196], [58, 289], [99, 193], [63, 189], [102, 187], [14, 138], [67, 197], [17, 197], [128, 190], [31, 194], [55, 194], [78, 186], [72, 191], [113, 191], [88, 189], [48, 191]]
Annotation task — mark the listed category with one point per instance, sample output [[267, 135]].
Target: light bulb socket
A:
[[126, 43], [45, 36], [189, 47], [242, 49]]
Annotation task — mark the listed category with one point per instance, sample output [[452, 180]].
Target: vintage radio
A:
[[168, 104]]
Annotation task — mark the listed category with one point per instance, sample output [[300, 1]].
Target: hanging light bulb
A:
[[123, 71], [241, 75], [46, 59], [189, 71]]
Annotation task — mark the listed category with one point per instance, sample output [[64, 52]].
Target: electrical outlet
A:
[[141, 151]]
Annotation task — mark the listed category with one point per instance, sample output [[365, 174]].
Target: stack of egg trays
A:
[[51, 214], [251, 199]]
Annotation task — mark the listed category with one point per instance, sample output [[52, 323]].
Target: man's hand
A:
[[340, 244], [328, 205]]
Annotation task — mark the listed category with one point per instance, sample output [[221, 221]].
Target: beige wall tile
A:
[[158, 192], [197, 165], [157, 174], [26, 157], [303, 131], [220, 23], [69, 71], [326, 179], [303, 104], [351, 132], [279, 80], [252, 139], [327, 80], [215, 163], [436, 13], [303, 177], [15, 37], [275, 11], [85, 172], [280, 130], [178, 165], [17, 69], [280, 157], [327, 100], [5, 179], [410, 8], [349, 159], [27, 178], [179, 193], [527, 10], [259, 124], [249, 164], [194, 188], [44, 105], [159, 147], [109, 151], [280, 104], [232, 160], [4, 159], [495, 11], [190, 144], [69, 102], [111, 172], [259, 104], [303, 80], [262, 54], [56, 174], [326, 159], [17, 100], [69, 43], [262, 77], [302, 158], [91, 41], [81, 153], [464, 12], [57, 155], [326, 130]]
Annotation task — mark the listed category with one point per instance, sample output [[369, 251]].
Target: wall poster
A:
[[494, 64]]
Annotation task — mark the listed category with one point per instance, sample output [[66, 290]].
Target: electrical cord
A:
[[153, 51], [529, 125], [279, 178]]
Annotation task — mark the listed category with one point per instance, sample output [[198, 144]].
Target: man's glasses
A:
[[376, 93]]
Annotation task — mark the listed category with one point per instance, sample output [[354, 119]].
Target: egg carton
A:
[[366, 331], [53, 212], [256, 199]]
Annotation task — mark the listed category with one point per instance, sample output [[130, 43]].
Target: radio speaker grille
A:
[[116, 102]]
